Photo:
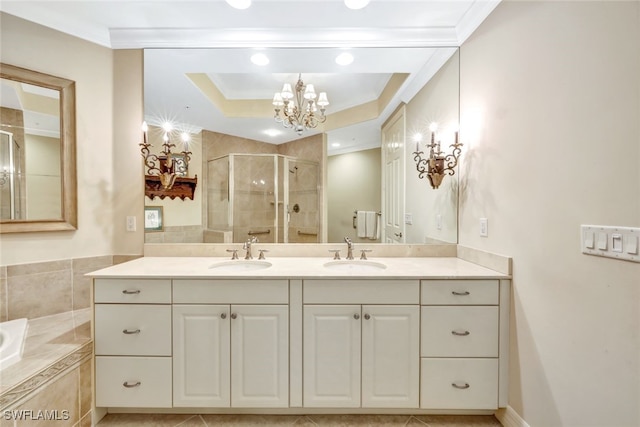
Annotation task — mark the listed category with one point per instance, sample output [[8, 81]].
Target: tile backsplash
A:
[[45, 288]]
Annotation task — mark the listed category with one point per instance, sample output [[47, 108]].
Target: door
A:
[[331, 356], [390, 356], [259, 356], [393, 176], [201, 356]]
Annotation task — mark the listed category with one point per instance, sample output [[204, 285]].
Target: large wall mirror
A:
[[256, 177], [37, 152]]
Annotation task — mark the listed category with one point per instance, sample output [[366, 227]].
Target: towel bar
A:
[[253, 233]]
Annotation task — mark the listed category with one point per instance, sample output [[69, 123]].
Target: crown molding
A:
[[133, 38]]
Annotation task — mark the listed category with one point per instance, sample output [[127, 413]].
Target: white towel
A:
[[361, 224], [371, 225]]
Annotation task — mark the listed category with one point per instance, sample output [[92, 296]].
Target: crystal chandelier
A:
[[299, 108]]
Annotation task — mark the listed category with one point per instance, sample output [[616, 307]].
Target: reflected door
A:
[[393, 143]]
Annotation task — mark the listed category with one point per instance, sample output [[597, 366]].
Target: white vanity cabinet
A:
[[231, 343], [133, 342], [462, 324], [358, 353]]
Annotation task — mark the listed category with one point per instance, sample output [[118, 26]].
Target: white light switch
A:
[[588, 240], [631, 245], [616, 242], [131, 223], [602, 241], [484, 227], [408, 218], [622, 243]]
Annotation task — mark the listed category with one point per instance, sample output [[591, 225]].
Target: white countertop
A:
[[298, 268]]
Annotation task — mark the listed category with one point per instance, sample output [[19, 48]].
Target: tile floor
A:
[[174, 420]]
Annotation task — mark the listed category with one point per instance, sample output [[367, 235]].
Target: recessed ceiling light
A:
[[356, 4], [344, 58], [272, 132], [239, 4], [260, 59], [335, 144]]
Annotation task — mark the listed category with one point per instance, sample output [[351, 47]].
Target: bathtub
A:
[[12, 337]]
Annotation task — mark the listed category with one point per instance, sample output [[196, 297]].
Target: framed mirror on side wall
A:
[[37, 152], [228, 107]]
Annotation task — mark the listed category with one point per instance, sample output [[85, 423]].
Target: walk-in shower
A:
[[273, 197]]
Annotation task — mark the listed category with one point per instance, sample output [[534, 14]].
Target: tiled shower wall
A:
[[45, 288]]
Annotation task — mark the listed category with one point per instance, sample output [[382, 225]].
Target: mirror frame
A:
[[69, 217]]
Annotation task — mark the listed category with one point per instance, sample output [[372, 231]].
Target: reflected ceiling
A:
[[375, 35]]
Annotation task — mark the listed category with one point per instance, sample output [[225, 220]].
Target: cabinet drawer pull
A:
[[128, 332], [133, 292], [127, 385], [356, 316], [367, 316], [460, 294], [223, 316], [234, 316], [461, 387], [461, 334]]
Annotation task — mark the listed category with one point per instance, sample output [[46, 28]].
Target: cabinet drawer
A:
[[361, 291], [231, 291], [459, 384], [459, 331], [133, 330], [133, 291], [141, 382], [459, 292]]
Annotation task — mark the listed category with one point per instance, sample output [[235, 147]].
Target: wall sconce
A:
[[167, 165], [166, 172], [434, 165]]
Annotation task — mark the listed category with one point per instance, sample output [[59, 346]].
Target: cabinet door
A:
[[260, 356], [331, 356], [201, 337], [390, 356]]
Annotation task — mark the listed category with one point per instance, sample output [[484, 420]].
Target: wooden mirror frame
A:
[[69, 204]]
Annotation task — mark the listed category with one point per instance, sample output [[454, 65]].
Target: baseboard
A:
[[508, 417]]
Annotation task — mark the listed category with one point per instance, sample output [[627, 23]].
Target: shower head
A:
[[294, 171]]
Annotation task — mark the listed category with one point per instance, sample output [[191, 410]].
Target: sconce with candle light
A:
[[437, 165], [166, 172]]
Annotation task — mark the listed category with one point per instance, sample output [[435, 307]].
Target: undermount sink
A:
[[354, 265], [241, 265]]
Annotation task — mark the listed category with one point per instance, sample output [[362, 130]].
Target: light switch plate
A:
[[610, 241], [484, 227]]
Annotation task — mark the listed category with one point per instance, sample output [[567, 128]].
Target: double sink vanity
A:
[[301, 335]]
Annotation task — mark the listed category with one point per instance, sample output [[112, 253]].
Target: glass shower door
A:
[[302, 200]]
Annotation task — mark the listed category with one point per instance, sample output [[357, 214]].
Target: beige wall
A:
[[550, 101], [108, 117], [436, 102], [353, 183]]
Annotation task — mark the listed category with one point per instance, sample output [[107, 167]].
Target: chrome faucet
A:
[[247, 246], [349, 248]]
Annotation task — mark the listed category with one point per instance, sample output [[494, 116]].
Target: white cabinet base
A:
[[459, 383], [138, 382]]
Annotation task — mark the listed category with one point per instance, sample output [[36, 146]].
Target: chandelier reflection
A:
[[168, 166], [437, 165], [299, 109]]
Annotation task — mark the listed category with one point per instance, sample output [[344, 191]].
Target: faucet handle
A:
[[235, 253], [262, 251], [363, 255], [336, 253]]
